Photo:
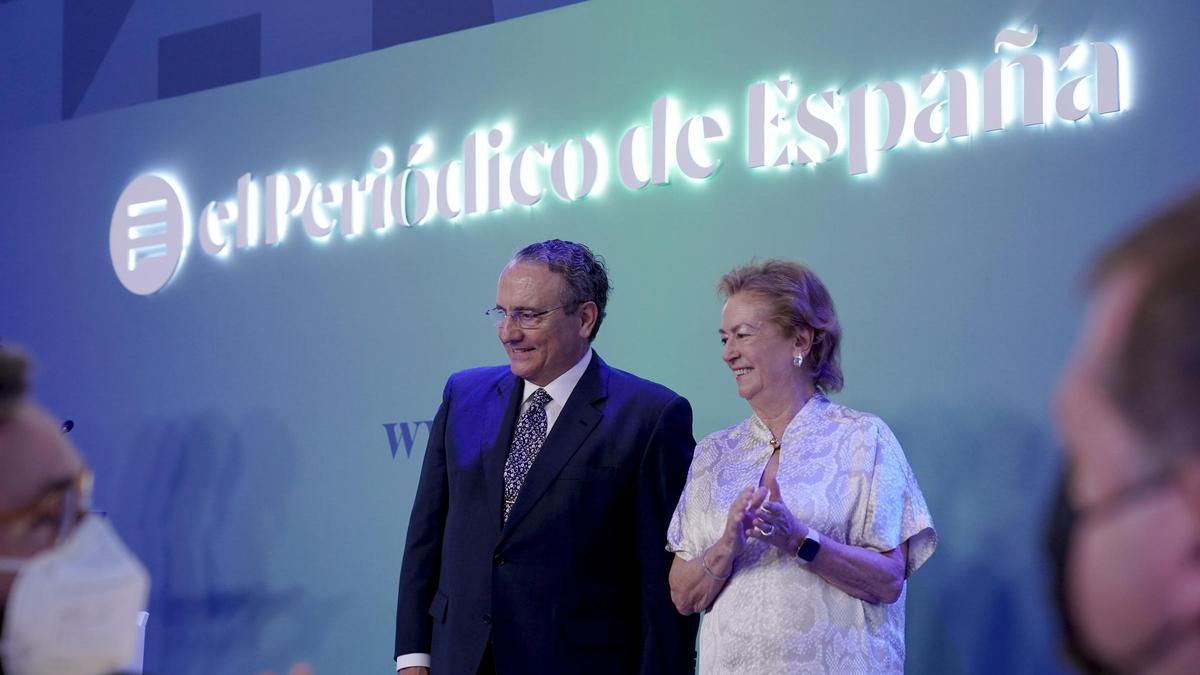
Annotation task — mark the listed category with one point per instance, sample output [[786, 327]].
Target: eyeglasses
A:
[[1064, 522], [525, 319], [60, 507], [1135, 491]]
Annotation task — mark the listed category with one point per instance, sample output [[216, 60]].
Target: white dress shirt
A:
[[559, 390]]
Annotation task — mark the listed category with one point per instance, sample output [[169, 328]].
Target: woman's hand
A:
[[696, 583], [873, 576], [773, 522], [739, 523]]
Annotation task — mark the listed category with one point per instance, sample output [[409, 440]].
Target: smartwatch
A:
[[809, 547]]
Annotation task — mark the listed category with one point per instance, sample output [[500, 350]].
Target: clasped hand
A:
[[759, 513]]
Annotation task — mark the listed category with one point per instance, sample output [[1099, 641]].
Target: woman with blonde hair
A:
[[797, 527]]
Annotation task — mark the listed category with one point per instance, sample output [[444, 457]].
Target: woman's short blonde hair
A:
[[796, 299]]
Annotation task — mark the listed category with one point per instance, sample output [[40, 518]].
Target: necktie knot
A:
[[540, 398]]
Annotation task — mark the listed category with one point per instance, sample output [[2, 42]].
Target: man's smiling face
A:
[[540, 354]]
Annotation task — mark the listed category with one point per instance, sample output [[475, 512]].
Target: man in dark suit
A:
[[537, 538]]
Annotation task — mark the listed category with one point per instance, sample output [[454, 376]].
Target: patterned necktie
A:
[[531, 432]]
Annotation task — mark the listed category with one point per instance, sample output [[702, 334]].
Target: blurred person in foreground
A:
[[798, 527], [70, 591], [1125, 538]]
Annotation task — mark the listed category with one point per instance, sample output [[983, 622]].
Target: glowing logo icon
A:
[[148, 235]]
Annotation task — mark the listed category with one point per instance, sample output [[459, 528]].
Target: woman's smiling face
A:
[[756, 349]]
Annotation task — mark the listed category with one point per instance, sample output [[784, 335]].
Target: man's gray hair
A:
[[584, 274]]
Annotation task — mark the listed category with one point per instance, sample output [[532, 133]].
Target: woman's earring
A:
[[798, 360]]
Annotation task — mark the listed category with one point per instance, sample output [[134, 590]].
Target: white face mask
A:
[[73, 609]]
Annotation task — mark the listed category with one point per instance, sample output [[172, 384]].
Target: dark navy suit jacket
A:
[[576, 580]]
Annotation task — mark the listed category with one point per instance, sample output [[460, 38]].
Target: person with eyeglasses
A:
[[1125, 536], [535, 543], [70, 591]]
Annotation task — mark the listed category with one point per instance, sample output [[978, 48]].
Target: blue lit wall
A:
[[237, 420], [60, 60]]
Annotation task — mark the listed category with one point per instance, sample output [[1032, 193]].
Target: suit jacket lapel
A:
[[575, 423], [499, 418]]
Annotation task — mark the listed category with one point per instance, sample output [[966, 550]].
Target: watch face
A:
[[808, 550]]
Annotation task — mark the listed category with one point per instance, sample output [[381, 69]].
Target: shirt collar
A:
[[561, 387], [760, 432]]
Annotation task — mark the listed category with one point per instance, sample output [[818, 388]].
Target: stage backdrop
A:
[[257, 422]]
